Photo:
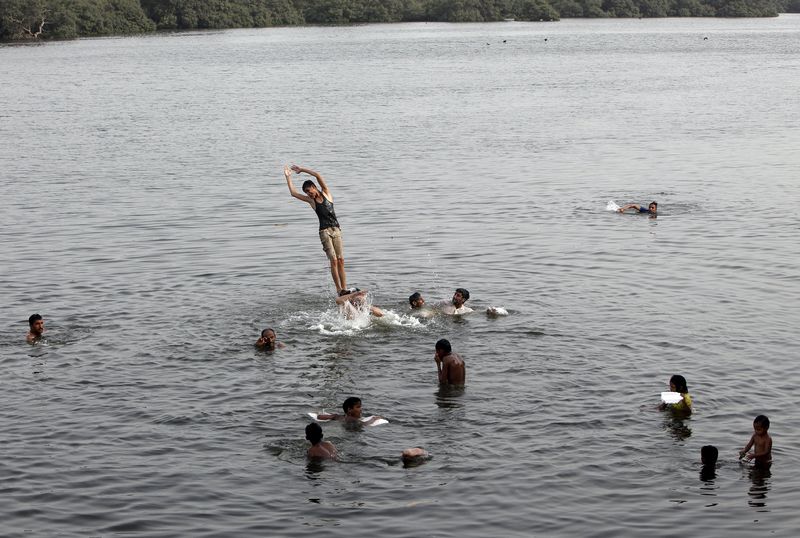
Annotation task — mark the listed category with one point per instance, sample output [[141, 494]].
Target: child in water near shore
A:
[[352, 413], [760, 442]]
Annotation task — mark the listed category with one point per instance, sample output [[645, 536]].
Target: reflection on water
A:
[[677, 426], [759, 476], [449, 396], [314, 467], [708, 473]]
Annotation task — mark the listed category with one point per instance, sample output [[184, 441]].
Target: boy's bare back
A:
[[322, 450], [453, 370]]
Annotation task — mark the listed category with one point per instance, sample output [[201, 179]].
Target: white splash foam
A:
[[497, 311], [612, 206]]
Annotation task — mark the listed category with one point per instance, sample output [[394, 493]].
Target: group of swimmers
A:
[[760, 442], [451, 369], [450, 366]]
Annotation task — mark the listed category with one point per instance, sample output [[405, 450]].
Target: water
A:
[[145, 216]]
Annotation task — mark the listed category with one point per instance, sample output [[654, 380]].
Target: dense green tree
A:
[[621, 8], [44, 19], [567, 8], [653, 8], [534, 10]]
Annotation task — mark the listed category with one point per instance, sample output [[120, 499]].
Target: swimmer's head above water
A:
[[416, 300], [352, 407], [460, 297], [36, 324]]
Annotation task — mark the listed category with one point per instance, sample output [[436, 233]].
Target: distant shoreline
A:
[[22, 21]]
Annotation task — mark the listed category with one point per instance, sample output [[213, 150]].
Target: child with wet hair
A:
[[760, 442], [319, 449], [677, 383], [708, 457], [352, 413]]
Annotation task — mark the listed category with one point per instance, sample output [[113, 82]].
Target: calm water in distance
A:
[[145, 216]]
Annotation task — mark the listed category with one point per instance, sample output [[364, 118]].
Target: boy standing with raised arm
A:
[[321, 201]]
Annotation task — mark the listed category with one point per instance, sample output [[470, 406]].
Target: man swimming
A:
[[652, 208], [36, 329], [321, 201], [457, 306], [269, 340]]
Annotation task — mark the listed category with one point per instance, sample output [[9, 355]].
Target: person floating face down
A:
[[652, 208], [36, 329], [330, 233], [351, 303], [268, 341], [457, 306], [450, 366]]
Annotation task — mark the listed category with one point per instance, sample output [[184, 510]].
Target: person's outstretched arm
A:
[[319, 178], [743, 451], [287, 173], [628, 206], [344, 298]]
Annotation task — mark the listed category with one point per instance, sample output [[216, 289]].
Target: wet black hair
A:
[[464, 293], [314, 433], [414, 297], [762, 421], [709, 454], [350, 403], [652, 203], [268, 329], [680, 383], [444, 345], [346, 291], [308, 183], [33, 319]]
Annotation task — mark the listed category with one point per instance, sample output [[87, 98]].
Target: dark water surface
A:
[[145, 216]]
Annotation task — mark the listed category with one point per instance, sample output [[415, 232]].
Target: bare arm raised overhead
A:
[[319, 178], [287, 172]]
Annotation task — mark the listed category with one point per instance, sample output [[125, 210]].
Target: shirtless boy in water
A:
[[319, 449], [760, 442], [352, 412], [450, 366]]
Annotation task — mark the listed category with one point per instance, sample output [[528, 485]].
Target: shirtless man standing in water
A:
[[321, 201], [450, 366]]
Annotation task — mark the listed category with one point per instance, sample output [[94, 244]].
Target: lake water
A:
[[145, 216]]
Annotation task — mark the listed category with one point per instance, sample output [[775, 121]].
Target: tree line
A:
[[66, 19]]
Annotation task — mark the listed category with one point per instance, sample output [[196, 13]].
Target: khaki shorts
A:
[[331, 239]]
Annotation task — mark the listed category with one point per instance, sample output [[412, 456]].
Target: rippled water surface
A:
[[145, 216]]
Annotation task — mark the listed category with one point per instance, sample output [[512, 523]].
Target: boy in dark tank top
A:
[[330, 234]]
